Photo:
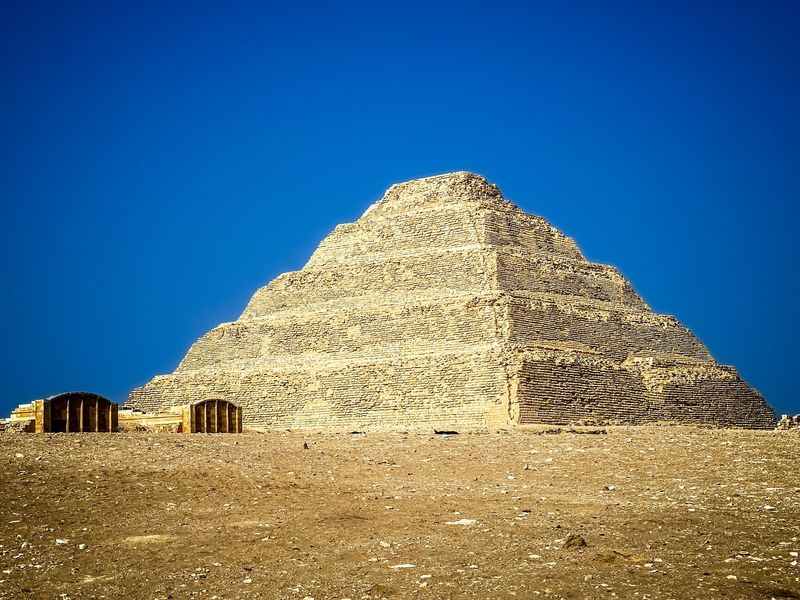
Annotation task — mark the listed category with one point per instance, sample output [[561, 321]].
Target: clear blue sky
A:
[[159, 162]]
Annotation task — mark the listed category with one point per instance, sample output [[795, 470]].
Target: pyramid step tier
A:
[[376, 330], [441, 227], [472, 269], [540, 386]]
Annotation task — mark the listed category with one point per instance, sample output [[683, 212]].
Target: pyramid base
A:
[[479, 389]]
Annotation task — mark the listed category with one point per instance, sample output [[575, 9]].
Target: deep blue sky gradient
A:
[[159, 162]]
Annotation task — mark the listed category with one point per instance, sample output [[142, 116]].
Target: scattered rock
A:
[[788, 422], [574, 541], [607, 555], [380, 591], [466, 522]]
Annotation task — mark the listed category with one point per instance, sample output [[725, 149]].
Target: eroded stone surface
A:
[[445, 305]]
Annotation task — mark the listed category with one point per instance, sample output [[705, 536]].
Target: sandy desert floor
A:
[[669, 512]]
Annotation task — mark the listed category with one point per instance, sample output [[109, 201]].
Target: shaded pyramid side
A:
[[446, 304]]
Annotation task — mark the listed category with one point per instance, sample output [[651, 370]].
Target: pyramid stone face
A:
[[445, 305]]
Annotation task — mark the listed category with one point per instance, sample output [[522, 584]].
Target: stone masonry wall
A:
[[576, 389], [445, 390]]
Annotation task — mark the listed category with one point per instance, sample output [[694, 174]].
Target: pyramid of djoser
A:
[[446, 306]]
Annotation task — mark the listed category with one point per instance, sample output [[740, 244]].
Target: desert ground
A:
[[664, 512]]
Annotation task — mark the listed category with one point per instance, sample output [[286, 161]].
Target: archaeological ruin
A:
[[447, 306], [68, 412], [85, 412], [202, 416]]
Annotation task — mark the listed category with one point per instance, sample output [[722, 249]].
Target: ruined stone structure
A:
[[445, 306], [203, 416], [69, 412]]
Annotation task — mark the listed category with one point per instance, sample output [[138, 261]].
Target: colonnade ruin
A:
[[85, 412], [203, 416], [69, 412]]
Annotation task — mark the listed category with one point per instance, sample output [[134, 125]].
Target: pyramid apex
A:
[[458, 185], [445, 178]]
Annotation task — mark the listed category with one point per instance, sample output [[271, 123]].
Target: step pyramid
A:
[[447, 306]]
